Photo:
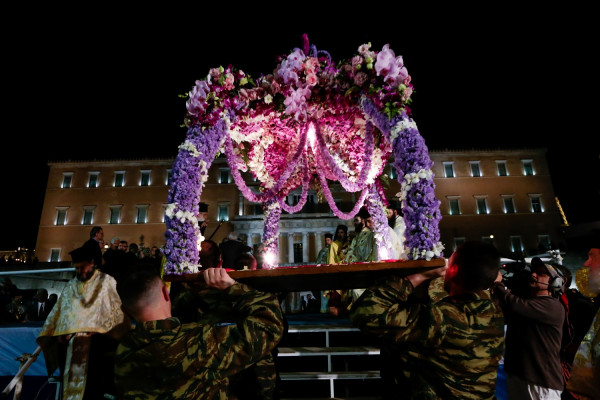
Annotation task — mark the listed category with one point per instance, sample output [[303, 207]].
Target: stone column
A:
[[305, 247], [318, 242], [291, 247]]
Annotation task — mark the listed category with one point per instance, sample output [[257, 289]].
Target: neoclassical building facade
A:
[[499, 195]]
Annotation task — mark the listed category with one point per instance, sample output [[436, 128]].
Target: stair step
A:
[[334, 351], [302, 375]]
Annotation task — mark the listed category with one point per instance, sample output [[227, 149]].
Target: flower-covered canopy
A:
[[309, 122]]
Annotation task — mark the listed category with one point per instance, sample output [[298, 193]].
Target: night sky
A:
[[107, 86]]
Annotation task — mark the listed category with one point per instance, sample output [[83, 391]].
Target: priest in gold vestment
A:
[[82, 331]]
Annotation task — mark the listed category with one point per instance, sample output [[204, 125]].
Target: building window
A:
[[61, 215], [119, 178], [223, 212], [528, 168], [502, 171], [509, 204], [536, 203], [481, 205], [475, 170], [54, 255], [93, 180], [67, 179], [224, 175], [88, 216], [544, 242], [516, 244], [115, 215], [453, 206], [449, 169], [169, 177], [458, 241], [142, 214], [145, 178]]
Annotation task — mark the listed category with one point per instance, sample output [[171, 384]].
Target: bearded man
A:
[[81, 332]]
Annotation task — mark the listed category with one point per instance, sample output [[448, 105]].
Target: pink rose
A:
[[406, 94], [311, 80], [311, 63], [229, 79], [406, 80], [360, 79], [214, 73], [275, 87], [356, 61]]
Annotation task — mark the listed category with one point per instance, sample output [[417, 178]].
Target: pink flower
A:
[[406, 80], [229, 79], [214, 73], [356, 61], [311, 64], [406, 94], [390, 66], [364, 48], [311, 80], [275, 87], [360, 79]]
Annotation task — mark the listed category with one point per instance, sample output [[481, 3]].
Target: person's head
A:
[[154, 252], [114, 243], [41, 295], [97, 233], [210, 255], [328, 238], [245, 261], [358, 223], [144, 296], [366, 218], [232, 236], [473, 266], [123, 245], [341, 233], [202, 212], [133, 248], [53, 298], [546, 280], [83, 261]]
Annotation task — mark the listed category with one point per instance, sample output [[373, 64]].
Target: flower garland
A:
[[190, 170], [343, 121], [271, 233], [376, 208]]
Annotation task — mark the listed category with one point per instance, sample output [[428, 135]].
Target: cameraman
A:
[[534, 334]]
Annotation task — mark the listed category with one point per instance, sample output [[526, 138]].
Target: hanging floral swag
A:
[[309, 122]]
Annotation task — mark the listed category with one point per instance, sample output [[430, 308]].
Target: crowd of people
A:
[[119, 329]]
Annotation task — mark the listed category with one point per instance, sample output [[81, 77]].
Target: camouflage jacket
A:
[[169, 360], [443, 347]]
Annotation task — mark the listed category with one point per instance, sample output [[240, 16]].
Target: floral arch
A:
[[308, 122]]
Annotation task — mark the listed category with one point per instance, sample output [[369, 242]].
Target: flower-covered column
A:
[[271, 233], [190, 171], [420, 206], [376, 208]]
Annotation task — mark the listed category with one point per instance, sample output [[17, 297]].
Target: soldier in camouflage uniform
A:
[[165, 359], [441, 338]]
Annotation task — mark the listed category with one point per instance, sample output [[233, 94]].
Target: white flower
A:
[[189, 146], [268, 99]]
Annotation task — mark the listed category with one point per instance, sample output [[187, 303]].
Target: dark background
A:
[[105, 84]]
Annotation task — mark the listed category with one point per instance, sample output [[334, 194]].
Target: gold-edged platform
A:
[[320, 277]]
